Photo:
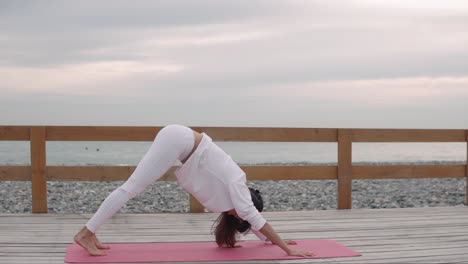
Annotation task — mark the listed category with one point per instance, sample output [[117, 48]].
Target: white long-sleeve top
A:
[[218, 183]]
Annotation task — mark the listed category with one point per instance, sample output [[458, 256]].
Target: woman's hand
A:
[[300, 253], [270, 233], [297, 252]]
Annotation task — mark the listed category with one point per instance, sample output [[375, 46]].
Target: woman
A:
[[208, 173]]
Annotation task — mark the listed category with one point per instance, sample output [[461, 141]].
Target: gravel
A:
[[85, 197]]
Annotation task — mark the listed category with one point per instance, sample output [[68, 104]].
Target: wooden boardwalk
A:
[[417, 235]]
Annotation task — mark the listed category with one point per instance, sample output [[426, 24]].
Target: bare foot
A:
[[98, 244], [87, 240]]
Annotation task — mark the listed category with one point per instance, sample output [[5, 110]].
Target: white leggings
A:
[[172, 143]]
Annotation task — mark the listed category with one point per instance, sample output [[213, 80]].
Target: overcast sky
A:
[[362, 63]]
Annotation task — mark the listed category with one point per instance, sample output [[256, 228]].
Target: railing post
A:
[[38, 169], [466, 169], [195, 205], [344, 168]]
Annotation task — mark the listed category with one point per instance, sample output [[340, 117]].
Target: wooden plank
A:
[[121, 173], [97, 173], [410, 235], [408, 171], [140, 231], [407, 135], [344, 168], [270, 134], [277, 173], [101, 133], [391, 214], [113, 133], [14, 132], [408, 256], [38, 170], [15, 173], [89, 173], [413, 225], [257, 173]]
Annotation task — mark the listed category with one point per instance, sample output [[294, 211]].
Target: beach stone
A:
[[86, 197]]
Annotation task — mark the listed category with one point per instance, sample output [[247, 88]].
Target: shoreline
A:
[[299, 163]]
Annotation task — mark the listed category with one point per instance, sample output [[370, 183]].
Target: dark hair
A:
[[227, 226]]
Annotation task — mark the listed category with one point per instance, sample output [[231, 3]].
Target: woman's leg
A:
[[172, 143]]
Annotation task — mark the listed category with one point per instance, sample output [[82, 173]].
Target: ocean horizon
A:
[[244, 153]]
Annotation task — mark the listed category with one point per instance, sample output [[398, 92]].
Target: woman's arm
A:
[[268, 231], [240, 196], [264, 238], [259, 235]]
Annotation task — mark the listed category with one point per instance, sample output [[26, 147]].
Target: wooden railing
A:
[[39, 173]]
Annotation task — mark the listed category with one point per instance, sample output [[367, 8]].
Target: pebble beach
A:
[[85, 197]]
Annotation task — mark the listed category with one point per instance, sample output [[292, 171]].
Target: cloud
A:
[[416, 4], [399, 92], [306, 56], [94, 78]]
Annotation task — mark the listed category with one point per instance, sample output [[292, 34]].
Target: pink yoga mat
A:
[[205, 251]]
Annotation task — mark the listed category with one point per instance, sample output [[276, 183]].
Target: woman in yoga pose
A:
[[208, 173]]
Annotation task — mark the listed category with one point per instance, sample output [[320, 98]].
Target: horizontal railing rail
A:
[[344, 172]]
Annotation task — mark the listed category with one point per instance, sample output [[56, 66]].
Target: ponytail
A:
[[227, 227]]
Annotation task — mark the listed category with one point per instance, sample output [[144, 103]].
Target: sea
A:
[[244, 153]]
